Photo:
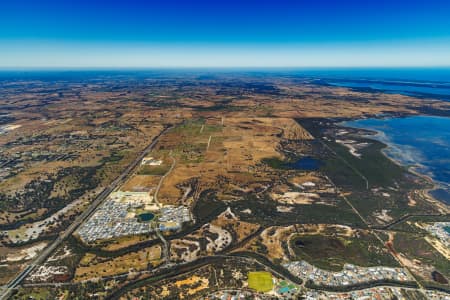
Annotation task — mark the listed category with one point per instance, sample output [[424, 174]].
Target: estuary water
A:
[[420, 82], [421, 142], [441, 91]]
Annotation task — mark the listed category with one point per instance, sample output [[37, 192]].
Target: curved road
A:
[[165, 250]]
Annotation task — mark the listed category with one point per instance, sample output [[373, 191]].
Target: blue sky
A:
[[248, 33]]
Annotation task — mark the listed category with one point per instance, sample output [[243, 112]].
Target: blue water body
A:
[[306, 163], [422, 82], [145, 217], [403, 88], [284, 289], [404, 75], [422, 142]]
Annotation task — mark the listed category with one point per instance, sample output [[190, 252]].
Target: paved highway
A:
[[80, 219]]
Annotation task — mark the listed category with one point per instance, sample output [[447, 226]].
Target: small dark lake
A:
[[145, 217], [299, 243], [306, 163]]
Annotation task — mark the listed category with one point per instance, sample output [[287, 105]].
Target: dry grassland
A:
[[200, 283], [230, 222], [141, 183], [92, 266], [233, 156]]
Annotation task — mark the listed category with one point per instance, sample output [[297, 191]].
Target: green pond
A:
[[145, 217]]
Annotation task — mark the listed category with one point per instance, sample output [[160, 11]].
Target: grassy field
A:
[[218, 155], [37, 294], [141, 183], [153, 170], [260, 281]]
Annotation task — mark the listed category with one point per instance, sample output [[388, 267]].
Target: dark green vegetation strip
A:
[[264, 212], [340, 164], [373, 164], [350, 173]]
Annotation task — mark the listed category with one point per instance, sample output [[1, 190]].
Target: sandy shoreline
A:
[[427, 192]]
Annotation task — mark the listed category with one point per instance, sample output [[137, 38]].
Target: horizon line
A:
[[143, 68]]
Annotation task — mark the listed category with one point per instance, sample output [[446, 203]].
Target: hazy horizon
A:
[[205, 34]]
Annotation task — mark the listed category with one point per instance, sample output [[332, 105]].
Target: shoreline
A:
[[441, 204]]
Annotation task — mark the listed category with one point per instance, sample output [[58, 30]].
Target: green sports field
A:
[[260, 281]]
